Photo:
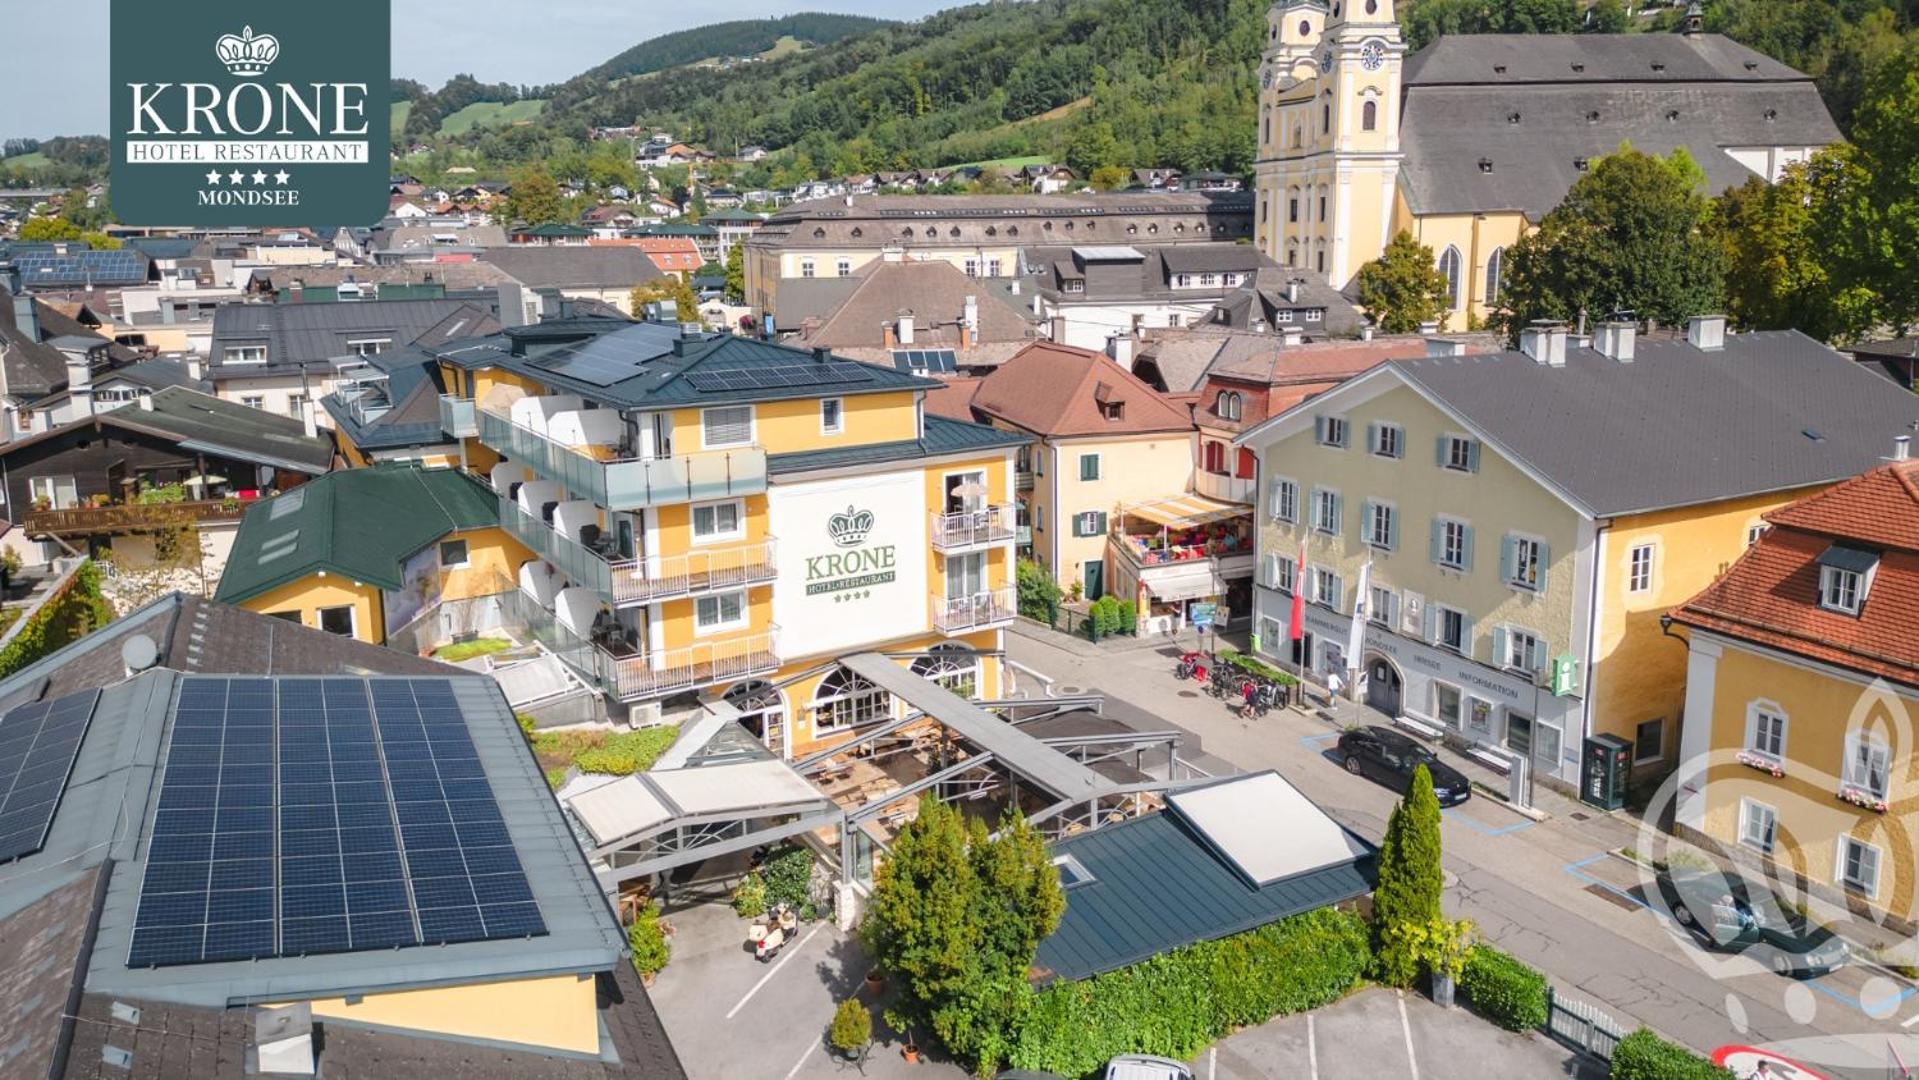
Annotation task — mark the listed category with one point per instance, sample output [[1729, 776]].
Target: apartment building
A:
[[723, 518], [1522, 519], [1802, 685]]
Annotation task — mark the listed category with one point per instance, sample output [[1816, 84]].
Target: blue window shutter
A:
[[1545, 560], [1428, 624], [1508, 555], [1465, 635], [1319, 429], [1392, 530], [1099, 526], [1435, 543], [1499, 646], [1392, 616], [1466, 547], [1339, 513], [1472, 455], [1338, 599], [1372, 437], [1366, 521], [1444, 454]]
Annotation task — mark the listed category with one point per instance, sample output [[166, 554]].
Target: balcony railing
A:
[[126, 518], [1023, 479], [974, 528], [1237, 489], [728, 660], [598, 474], [974, 611], [661, 577], [457, 417]]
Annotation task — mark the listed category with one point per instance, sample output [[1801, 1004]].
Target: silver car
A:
[[1146, 1067]]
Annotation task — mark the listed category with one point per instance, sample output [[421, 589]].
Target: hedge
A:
[[77, 611], [1254, 666], [1504, 990], [1643, 1055], [1177, 1003]]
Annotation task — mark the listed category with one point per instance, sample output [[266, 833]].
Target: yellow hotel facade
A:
[[719, 519]]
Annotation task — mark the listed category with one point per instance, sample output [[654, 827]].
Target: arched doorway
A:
[[1385, 690], [762, 709]]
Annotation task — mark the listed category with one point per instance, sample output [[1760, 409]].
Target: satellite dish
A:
[[139, 653]]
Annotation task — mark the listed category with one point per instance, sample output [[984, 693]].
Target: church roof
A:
[[1474, 142]]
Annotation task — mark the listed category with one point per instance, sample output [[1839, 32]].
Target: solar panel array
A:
[[926, 360], [611, 358], [778, 377], [38, 744], [124, 266], [306, 816]]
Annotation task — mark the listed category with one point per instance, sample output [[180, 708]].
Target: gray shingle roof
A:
[[1677, 426], [942, 436], [1156, 886], [297, 335], [574, 267], [1463, 92]]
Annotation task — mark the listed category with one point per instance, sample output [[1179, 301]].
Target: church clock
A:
[[1372, 56]]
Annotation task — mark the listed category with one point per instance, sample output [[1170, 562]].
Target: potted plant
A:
[[852, 1030], [1444, 949], [911, 1051], [875, 982]]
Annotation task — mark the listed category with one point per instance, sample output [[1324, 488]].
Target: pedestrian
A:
[[1334, 684]]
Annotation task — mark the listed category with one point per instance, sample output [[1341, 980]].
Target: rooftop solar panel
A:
[[309, 816], [38, 744], [778, 377]]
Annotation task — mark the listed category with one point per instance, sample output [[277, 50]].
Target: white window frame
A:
[[837, 425], [352, 619], [1381, 604], [702, 628], [1839, 877], [806, 268], [1285, 569], [1754, 531], [1833, 594], [1450, 529], [244, 354], [368, 346], [1285, 500], [1440, 690], [466, 551], [1516, 658], [717, 536], [1778, 728], [1752, 812], [1459, 454], [1321, 576], [254, 401], [1856, 774], [1389, 441], [1329, 499], [843, 268], [1517, 581], [1640, 561], [1380, 525], [706, 427], [1440, 611], [1336, 432]]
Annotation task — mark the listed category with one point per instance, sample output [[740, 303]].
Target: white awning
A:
[[619, 809], [747, 786], [1265, 827], [1189, 582]]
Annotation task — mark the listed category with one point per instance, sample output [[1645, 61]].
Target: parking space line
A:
[[1819, 984], [1312, 1050], [1406, 1027], [1577, 870], [811, 1049], [764, 979], [1458, 812], [1315, 740], [1212, 1064]]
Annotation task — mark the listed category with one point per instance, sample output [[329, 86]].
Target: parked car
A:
[[1390, 757], [1723, 914], [1026, 1074], [1146, 1067]]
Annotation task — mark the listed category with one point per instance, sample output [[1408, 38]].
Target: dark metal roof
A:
[[1678, 425], [942, 436], [574, 267], [202, 422], [1157, 886], [300, 335]]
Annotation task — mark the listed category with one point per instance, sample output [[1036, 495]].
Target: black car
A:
[[1390, 758], [1722, 913]]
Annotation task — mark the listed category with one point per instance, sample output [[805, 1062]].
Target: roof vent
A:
[[283, 1040], [116, 1057], [1771, 115], [1512, 118], [138, 653], [1582, 164], [1592, 117], [1486, 164], [1752, 65], [822, 354], [1672, 116], [1901, 447], [1706, 333], [1658, 65], [1578, 67], [1499, 69], [1814, 434]]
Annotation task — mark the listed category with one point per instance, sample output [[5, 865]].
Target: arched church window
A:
[[1369, 116], [1495, 267], [1449, 269]]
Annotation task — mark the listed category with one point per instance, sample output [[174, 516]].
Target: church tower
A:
[[1329, 135]]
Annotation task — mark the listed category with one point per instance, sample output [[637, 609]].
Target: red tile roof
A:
[[1770, 596], [953, 399], [1053, 389]]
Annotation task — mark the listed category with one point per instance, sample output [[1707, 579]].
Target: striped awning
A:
[[1186, 510]]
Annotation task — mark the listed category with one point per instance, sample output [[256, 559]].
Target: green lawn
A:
[[1011, 163], [399, 112], [467, 650], [614, 752], [25, 161], [490, 114]]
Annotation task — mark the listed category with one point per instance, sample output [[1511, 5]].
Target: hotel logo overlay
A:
[[230, 113]]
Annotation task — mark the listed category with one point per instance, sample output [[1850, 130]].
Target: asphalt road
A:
[[1546, 891]]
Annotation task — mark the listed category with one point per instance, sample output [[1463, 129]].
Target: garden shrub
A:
[[628, 752], [77, 611], [1178, 1002], [1252, 665], [1038, 592], [786, 874], [749, 900], [1504, 990], [852, 1027], [647, 939], [1643, 1055]]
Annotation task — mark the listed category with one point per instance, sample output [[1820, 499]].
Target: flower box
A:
[[1860, 795], [1752, 759]]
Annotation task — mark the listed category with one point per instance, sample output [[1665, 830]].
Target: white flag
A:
[[1356, 637]]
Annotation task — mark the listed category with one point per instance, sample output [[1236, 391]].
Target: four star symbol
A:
[[281, 177], [213, 177]]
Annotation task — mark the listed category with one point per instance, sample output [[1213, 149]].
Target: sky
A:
[[62, 89]]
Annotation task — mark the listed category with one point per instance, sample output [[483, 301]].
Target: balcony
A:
[[1234, 489], [975, 611], [129, 518], [457, 417], [633, 677], [1023, 479], [597, 473], [626, 581], [975, 528]]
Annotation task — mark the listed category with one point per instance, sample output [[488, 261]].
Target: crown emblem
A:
[[850, 529], [248, 56]]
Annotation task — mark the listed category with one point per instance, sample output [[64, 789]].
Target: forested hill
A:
[[747, 37]]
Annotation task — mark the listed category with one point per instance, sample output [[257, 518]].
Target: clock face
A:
[[1326, 61], [1372, 56]]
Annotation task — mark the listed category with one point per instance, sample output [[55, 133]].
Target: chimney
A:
[[1014, 288], [295, 291], [892, 253], [1707, 333], [906, 328], [80, 381], [1120, 348], [1292, 290], [1902, 448], [1545, 342], [307, 419], [1614, 339], [26, 318], [283, 1040], [1445, 347], [146, 400], [887, 340], [1291, 335], [821, 354], [970, 316], [1366, 332]]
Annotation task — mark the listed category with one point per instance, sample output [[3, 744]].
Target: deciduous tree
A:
[[535, 199], [1403, 287]]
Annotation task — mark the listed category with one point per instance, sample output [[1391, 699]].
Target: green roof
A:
[[359, 523], [553, 229]]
